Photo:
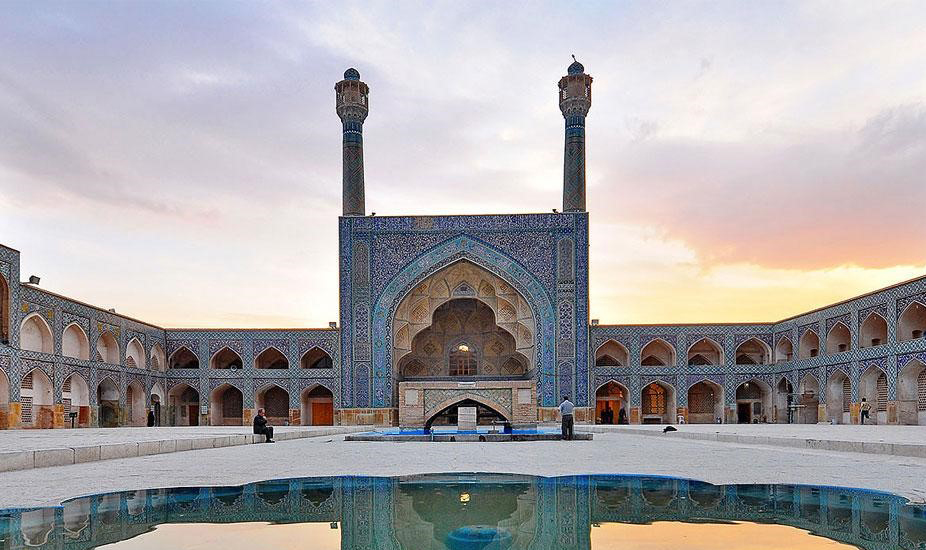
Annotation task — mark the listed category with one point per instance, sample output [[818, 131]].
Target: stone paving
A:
[[710, 461], [837, 432]]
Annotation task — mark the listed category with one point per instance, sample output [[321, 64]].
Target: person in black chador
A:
[[261, 427], [607, 415], [621, 416], [150, 419]]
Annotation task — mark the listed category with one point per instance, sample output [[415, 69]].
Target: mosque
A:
[[486, 311]]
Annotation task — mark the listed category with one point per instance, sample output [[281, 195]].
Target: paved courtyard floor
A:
[[838, 432], [715, 462]]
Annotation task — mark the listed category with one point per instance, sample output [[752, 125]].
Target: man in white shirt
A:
[[566, 409]]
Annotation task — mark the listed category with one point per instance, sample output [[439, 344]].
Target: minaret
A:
[[575, 99], [352, 105]]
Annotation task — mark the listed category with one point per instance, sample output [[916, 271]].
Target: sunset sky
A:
[[181, 161]]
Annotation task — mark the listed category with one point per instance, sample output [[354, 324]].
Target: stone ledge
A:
[[836, 445], [66, 456]]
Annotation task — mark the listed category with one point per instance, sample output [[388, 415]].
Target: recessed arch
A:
[[4, 400], [784, 351], [75, 396], [135, 410], [753, 402], [705, 402], [838, 339], [612, 354], [657, 352], [226, 406], [183, 358], [809, 345], [912, 322], [271, 358], [135, 354], [446, 413], [226, 358], [612, 403], [35, 335], [37, 398], [158, 359], [753, 352], [275, 402], [838, 397], [316, 358], [911, 393], [107, 349], [872, 331], [107, 398], [809, 399], [183, 405], [658, 403], [705, 351], [158, 403], [317, 403], [783, 398], [75, 343], [872, 387]]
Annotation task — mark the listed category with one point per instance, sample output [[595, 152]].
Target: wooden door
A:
[[194, 415], [322, 414]]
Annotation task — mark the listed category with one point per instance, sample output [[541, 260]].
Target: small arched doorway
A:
[[107, 398], [705, 403], [4, 400], [838, 398], [158, 403], [873, 388], [317, 406], [226, 406], [136, 414], [809, 401], [753, 402], [658, 403], [784, 399], [911, 393], [37, 399], [611, 404], [183, 405], [449, 416], [275, 402], [75, 396]]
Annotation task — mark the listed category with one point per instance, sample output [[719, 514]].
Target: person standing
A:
[[866, 409], [566, 409], [261, 427]]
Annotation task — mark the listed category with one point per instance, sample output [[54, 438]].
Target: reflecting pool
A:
[[475, 512]]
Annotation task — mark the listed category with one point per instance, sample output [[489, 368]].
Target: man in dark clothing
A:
[[566, 409], [261, 427], [150, 419]]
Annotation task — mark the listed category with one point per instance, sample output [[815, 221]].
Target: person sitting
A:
[[261, 427]]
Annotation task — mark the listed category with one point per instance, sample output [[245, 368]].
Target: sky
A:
[[180, 162]]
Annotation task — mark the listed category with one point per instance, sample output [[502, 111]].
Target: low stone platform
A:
[[907, 441], [27, 449], [446, 437]]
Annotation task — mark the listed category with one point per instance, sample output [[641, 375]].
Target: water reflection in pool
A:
[[476, 512]]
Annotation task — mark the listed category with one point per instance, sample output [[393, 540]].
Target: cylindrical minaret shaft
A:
[[575, 99], [352, 105]]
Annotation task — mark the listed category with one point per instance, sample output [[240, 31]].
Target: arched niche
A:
[[705, 352], [226, 358], [809, 345], [275, 402], [4, 400], [912, 322], [658, 403], [37, 398], [612, 354], [872, 331], [753, 352], [271, 358], [784, 351], [183, 358], [446, 414], [838, 397], [4, 311], [838, 339], [183, 405], [317, 406], [911, 393], [226, 406], [753, 402], [872, 387], [35, 335], [107, 349], [809, 400], [135, 355], [784, 398], [657, 353], [75, 343], [464, 280], [463, 340], [158, 403], [136, 414], [612, 403], [107, 398], [75, 396], [316, 358], [158, 359], [705, 403]]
